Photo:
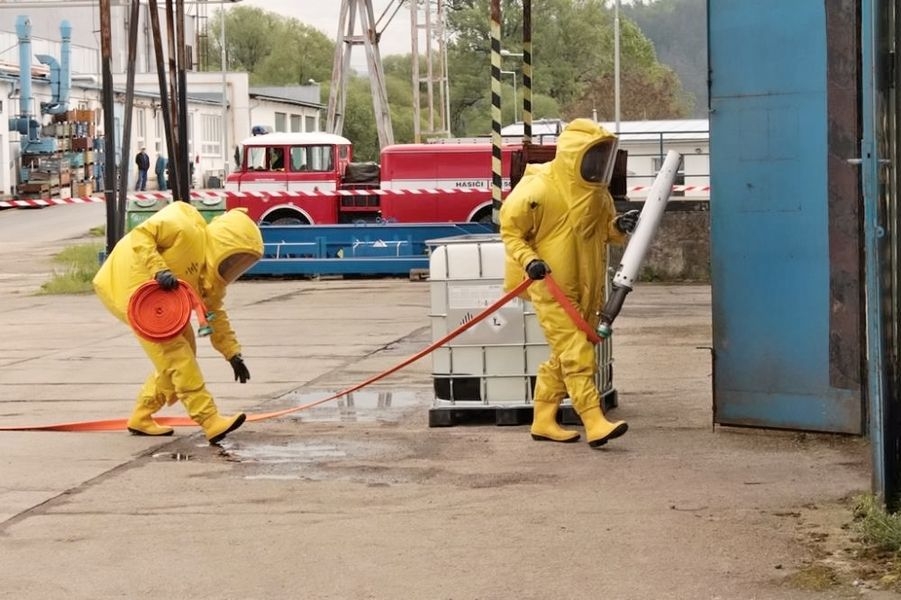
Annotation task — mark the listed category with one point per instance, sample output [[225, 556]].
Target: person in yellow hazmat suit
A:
[[559, 219], [176, 244]]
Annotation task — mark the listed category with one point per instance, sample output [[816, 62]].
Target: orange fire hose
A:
[[153, 301], [159, 315]]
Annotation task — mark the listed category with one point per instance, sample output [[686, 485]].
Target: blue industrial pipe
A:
[[60, 74], [23, 31], [24, 123]]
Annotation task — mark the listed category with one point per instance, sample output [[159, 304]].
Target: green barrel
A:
[[139, 210], [209, 207]]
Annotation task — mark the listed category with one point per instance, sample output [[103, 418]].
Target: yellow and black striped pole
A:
[[527, 72], [496, 175]]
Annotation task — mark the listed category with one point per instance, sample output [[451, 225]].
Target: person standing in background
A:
[[160, 170], [143, 163]]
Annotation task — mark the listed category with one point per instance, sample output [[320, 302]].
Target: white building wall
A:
[[266, 112], [85, 22]]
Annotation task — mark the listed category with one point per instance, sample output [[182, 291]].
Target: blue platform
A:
[[362, 249]]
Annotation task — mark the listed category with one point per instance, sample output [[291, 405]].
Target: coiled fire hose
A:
[[163, 313], [159, 315]]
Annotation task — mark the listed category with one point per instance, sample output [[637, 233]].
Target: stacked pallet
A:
[[74, 168]]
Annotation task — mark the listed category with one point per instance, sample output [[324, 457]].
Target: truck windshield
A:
[[260, 158], [312, 158]]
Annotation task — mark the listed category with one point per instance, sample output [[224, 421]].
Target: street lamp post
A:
[[507, 53], [616, 66], [224, 68], [515, 116]]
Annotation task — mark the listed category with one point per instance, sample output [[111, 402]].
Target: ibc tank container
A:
[[495, 362]]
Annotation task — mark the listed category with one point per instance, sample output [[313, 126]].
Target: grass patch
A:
[[880, 541], [79, 264], [815, 578], [880, 530]]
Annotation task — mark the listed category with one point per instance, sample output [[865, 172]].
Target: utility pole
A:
[[109, 128]]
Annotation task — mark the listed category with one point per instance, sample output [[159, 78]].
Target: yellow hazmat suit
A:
[[207, 257], [558, 216]]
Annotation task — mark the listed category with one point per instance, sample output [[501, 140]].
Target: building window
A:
[[296, 124], [281, 122], [140, 122], [211, 135], [311, 124]]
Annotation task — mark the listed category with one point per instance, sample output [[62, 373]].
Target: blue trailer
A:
[[371, 249]]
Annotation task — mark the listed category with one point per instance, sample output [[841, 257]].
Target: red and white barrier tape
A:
[[217, 195], [676, 188]]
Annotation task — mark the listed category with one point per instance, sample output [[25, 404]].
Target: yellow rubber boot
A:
[[545, 427], [203, 411], [217, 427], [598, 430], [141, 420]]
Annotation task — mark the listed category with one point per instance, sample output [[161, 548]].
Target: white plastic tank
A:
[[495, 362]]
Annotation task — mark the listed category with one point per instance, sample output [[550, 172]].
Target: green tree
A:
[[251, 35], [573, 61], [303, 53], [678, 29]]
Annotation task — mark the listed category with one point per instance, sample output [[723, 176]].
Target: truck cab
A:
[[307, 163]]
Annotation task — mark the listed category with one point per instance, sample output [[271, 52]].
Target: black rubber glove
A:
[[537, 269], [627, 221], [166, 279], [242, 374]]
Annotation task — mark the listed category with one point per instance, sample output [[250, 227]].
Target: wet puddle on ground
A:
[[264, 455], [311, 460], [360, 406]]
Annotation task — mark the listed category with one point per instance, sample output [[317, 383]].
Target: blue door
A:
[[785, 224]]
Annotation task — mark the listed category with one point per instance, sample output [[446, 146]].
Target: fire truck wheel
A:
[[287, 220]]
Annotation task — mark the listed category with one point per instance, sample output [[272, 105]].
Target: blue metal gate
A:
[[785, 223]]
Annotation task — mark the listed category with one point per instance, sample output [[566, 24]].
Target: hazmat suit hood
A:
[[577, 152], [234, 244]]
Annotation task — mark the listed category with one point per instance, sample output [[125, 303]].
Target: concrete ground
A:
[[360, 498]]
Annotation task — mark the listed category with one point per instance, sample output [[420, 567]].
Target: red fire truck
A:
[[310, 178]]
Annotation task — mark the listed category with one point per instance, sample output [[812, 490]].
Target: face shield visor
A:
[[235, 265], [597, 162]]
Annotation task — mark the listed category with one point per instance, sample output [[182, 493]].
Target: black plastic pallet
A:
[[480, 414]]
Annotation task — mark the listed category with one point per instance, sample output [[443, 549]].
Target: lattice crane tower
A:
[[427, 19], [369, 39]]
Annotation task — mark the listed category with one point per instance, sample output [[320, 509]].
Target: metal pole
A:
[[109, 127], [414, 68], [496, 164], [514, 91], [164, 93], [222, 61], [181, 60], [616, 74], [176, 165], [527, 71], [883, 483], [515, 99], [125, 159]]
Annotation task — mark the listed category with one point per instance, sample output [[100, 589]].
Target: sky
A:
[[324, 14]]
